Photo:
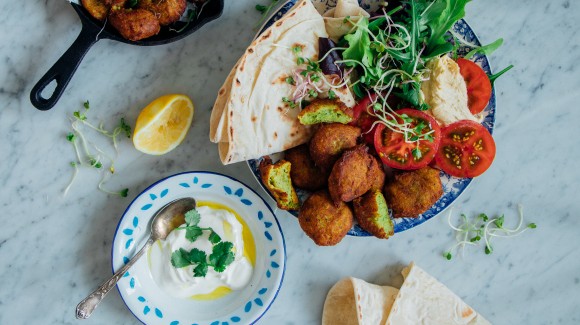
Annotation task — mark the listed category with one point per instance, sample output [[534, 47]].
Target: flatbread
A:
[[334, 19], [249, 118], [422, 300], [353, 301]]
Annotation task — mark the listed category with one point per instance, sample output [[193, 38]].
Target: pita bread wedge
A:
[[250, 118], [353, 301], [422, 300], [334, 19]]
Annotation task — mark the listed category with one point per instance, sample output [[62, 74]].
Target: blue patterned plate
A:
[[452, 186], [150, 304]]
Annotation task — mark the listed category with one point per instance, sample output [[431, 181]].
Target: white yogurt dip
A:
[[180, 282]]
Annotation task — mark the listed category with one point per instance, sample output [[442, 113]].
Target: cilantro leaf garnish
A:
[[179, 258], [192, 233], [214, 238], [196, 256], [222, 251], [200, 270], [192, 217]]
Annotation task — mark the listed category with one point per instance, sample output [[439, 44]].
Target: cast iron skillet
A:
[[92, 31]]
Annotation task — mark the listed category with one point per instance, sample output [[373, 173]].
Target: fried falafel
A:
[[325, 111], [330, 141], [167, 11], [372, 214], [413, 192], [304, 173], [134, 24], [323, 221], [350, 176], [276, 178]]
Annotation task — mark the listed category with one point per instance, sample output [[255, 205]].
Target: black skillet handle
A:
[[63, 70]]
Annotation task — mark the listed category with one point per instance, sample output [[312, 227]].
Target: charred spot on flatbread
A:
[[250, 50], [279, 23], [266, 35], [222, 91], [238, 83], [254, 118], [275, 135]]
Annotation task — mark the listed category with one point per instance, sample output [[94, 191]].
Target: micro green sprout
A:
[[265, 11], [83, 148], [482, 229]]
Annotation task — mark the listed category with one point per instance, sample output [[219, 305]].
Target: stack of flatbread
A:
[[422, 300], [250, 117]]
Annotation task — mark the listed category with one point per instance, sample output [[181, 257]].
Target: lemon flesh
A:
[[163, 124]]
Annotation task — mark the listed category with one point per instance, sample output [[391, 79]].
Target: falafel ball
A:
[[350, 176], [134, 24], [330, 141], [167, 11], [304, 173], [372, 214], [99, 9], [376, 175], [323, 221], [413, 192]]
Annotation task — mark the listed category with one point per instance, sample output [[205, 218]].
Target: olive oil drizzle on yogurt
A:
[[249, 248]]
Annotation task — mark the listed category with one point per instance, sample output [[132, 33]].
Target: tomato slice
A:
[[467, 149], [478, 85], [363, 119], [395, 152]]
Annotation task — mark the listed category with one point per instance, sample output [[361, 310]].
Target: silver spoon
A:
[[165, 220]]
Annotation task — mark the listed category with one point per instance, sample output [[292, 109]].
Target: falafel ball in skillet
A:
[[167, 11]]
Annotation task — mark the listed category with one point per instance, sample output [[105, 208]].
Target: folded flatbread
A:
[[335, 19], [423, 300], [353, 301], [250, 118]]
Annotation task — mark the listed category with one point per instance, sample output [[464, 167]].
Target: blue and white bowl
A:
[[452, 186], [150, 304]]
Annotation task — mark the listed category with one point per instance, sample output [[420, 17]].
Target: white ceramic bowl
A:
[[150, 304]]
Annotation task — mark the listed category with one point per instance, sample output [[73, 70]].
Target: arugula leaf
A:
[[439, 17], [200, 270], [192, 217], [180, 259], [493, 77], [486, 49]]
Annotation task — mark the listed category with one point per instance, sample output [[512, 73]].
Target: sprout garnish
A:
[[471, 232], [84, 149]]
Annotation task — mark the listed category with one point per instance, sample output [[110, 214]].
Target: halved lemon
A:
[[163, 124]]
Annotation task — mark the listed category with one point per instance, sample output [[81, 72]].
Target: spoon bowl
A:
[[169, 217]]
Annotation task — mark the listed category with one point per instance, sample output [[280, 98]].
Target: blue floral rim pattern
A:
[[150, 200]]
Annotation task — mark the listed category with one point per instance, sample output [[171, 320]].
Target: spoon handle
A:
[[86, 307]]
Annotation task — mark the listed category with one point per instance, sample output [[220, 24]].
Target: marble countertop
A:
[[54, 250]]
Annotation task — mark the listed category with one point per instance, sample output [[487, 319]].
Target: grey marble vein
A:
[[54, 250]]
